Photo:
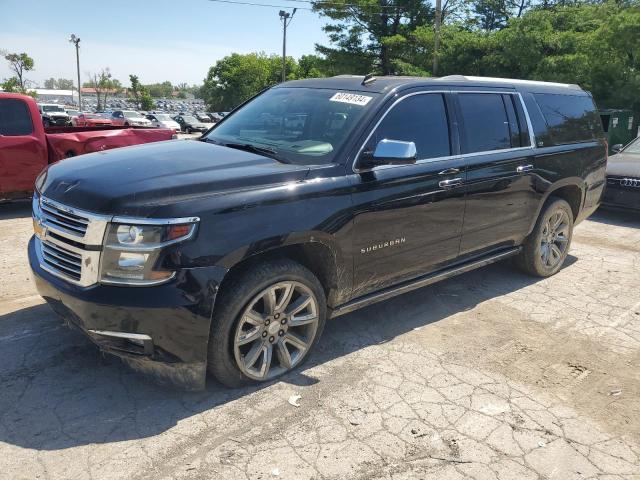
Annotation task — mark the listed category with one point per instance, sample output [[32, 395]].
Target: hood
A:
[[624, 165], [140, 180]]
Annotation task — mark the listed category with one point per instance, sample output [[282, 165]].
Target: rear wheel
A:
[[546, 248], [266, 323]]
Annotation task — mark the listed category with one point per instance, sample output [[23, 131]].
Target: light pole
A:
[[286, 18], [436, 38], [76, 41]]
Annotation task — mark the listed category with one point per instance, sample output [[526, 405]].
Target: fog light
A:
[[136, 341], [132, 261]]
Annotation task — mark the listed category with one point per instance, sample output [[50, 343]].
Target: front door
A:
[[23, 155], [408, 218]]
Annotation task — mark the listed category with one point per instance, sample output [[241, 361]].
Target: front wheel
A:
[[546, 248], [265, 323]]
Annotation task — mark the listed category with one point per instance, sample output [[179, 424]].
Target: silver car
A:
[[163, 120]]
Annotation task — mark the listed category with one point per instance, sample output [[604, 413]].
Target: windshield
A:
[[164, 118], [189, 118], [131, 114], [52, 108], [302, 125], [73, 112], [633, 147], [92, 115]]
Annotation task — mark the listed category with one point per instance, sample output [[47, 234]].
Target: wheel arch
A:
[[571, 190], [320, 257]]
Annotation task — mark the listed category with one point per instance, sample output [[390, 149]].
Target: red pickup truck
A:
[[26, 147]]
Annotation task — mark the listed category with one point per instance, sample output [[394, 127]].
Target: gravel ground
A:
[[490, 375]]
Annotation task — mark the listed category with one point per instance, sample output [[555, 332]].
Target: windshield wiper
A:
[[248, 147]]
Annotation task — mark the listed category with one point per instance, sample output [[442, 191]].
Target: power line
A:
[[340, 4], [270, 5]]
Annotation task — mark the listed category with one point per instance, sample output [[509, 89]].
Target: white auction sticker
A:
[[352, 98]]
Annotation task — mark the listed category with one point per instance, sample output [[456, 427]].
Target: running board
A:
[[422, 282]]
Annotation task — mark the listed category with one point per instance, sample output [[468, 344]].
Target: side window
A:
[[421, 119], [486, 125], [570, 118], [15, 118]]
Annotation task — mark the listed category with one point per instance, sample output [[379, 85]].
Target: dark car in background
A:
[[316, 198], [190, 124], [623, 177]]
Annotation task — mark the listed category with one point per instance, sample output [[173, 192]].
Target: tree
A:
[[60, 84], [135, 88], [369, 34], [20, 63], [146, 102], [103, 84], [64, 84], [237, 77]]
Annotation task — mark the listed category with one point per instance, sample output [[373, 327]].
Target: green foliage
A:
[[20, 63], [593, 43], [146, 101], [236, 78], [58, 84], [160, 90]]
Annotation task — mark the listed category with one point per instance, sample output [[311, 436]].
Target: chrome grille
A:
[[62, 260], [55, 217], [69, 240]]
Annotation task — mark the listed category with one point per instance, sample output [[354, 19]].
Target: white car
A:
[[129, 118], [163, 120]]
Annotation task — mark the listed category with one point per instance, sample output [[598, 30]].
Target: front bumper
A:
[[162, 331], [624, 197]]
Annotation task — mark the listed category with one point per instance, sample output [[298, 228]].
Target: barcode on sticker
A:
[[352, 98]]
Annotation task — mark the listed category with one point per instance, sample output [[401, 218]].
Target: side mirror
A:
[[617, 148], [391, 152]]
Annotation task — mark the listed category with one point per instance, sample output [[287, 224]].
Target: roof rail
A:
[[509, 80]]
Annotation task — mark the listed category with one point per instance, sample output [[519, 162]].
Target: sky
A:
[[157, 40]]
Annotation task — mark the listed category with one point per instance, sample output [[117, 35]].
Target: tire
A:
[[545, 249], [188, 130], [246, 293]]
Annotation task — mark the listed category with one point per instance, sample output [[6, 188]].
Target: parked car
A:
[[129, 118], [26, 147], [163, 120], [73, 114], [623, 177], [190, 124], [229, 253], [53, 114], [91, 120], [216, 117]]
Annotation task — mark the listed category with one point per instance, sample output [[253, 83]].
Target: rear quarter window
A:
[[570, 118], [15, 118]]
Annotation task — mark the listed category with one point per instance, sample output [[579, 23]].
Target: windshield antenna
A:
[[368, 79]]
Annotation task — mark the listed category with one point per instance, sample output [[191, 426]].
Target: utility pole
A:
[[436, 37], [76, 41], [286, 18]]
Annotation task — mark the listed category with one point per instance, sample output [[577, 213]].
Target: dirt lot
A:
[[491, 375]]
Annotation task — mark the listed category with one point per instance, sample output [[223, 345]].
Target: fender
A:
[[330, 261], [549, 190]]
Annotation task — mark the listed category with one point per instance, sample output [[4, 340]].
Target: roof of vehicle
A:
[[386, 83]]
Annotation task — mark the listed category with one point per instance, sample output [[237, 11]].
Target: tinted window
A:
[[14, 118], [570, 118], [486, 124], [421, 119]]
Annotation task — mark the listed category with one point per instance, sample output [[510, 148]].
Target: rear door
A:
[[23, 153], [408, 218], [497, 146]]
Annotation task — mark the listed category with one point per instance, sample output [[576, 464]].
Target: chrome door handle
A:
[[524, 168], [449, 171], [454, 182]]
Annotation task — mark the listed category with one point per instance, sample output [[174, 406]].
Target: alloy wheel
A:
[[276, 330], [555, 239]]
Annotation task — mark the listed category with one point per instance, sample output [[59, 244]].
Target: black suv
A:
[[315, 198]]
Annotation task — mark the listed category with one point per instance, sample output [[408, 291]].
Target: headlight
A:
[[132, 250]]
